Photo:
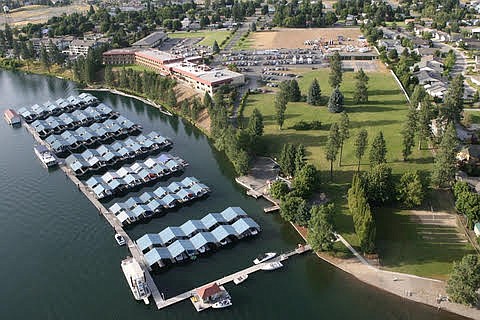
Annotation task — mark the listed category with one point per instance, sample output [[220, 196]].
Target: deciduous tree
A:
[[464, 280]]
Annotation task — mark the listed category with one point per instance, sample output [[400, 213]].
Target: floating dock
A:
[[229, 278], [112, 220]]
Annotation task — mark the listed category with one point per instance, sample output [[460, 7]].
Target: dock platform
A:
[[111, 219], [229, 278]]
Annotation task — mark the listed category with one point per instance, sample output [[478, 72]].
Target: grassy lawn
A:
[[55, 70], [422, 249], [386, 111], [474, 116], [245, 43], [209, 37], [135, 67]]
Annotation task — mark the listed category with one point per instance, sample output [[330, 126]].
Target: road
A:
[[460, 66]]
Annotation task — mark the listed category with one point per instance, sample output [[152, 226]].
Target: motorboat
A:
[[240, 279], [222, 304], [45, 156], [120, 240], [272, 266], [135, 277], [264, 257]]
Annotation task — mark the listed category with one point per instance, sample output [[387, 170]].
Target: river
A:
[[60, 261]]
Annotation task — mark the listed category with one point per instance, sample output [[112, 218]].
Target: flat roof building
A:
[[152, 40]]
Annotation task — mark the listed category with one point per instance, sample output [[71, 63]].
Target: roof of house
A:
[[208, 291]]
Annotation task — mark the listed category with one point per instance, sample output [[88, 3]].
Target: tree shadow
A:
[[371, 123], [380, 92], [368, 108]]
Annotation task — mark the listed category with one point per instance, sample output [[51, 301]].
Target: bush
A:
[[304, 125]]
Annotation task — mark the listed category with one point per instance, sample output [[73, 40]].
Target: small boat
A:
[[222, 304], [120, 240], [264, 257], [45, 156], [272, 266], [240, 279]]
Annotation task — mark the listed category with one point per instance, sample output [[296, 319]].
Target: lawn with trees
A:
[[385, 113]]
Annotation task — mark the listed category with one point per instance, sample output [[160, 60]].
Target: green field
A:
[[134, 67], [209, 37], [386, 111], [421, 249], [474, 116]]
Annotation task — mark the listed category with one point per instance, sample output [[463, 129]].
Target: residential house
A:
[[469, 154]]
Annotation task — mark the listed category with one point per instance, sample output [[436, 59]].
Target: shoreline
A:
[[425, 290], [411, 287], [121, 93]]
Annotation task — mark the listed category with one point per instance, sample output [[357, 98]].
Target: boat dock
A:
[[111, 219], [229, 278]]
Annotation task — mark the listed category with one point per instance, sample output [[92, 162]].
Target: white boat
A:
[[136, 279], [264, 257], [222, 304], [240, 279], [272, 266], [45, 156], [120, 240]]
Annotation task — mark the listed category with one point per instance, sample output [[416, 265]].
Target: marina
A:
[[74, 247], [107, 155], [61, 105], [109, 130], [162, 198], [126, 178]]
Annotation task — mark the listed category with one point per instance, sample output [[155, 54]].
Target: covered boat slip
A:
[[119, 151], [150, 203], [72, 140], [74, 120], [47, 109], [134, 175], [194, 237]]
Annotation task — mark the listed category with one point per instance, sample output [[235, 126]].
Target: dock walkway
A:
[[111, 219], [229, 278]]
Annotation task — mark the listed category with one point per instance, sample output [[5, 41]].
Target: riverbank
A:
[[418, 289], [121, 93], [414, 288]]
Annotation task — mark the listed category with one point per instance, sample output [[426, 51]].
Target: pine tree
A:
[[314, 96], [300, 155], [171, 98], [280, 108], [361, 142], [320, 228], [255, 123], [344, 133], [418, 96], [453, 102], [378, 150], [361, 88], [445, 160], [335, 103], [408, 133], [424, 121], [108, 77], [44, 58], [332, 147], [294, 95], [362, 215], [335, 76], [215, 47], [287, 160], [207, 101]]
